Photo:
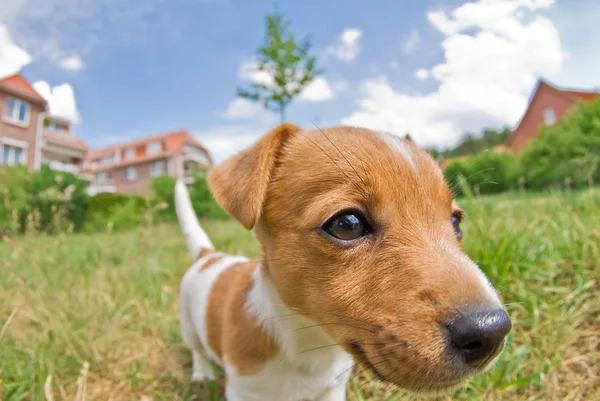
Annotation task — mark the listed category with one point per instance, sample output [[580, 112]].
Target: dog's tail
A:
[[196, 238]]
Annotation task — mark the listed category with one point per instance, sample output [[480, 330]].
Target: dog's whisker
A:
[[334, 324], [337, 345], [365, 194], [338, 315], [344, 156]]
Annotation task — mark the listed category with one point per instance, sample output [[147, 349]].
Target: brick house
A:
[[29, 135], [61, 149], [129, 167], [548, 104], [23, 111]]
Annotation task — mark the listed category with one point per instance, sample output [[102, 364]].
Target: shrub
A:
[[493, 172], [58, 199], [486, 173], [14, 190], [203, 201], [115, 211], [163, 191]]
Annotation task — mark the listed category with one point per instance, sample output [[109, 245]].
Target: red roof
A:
[[574, 94], [173, 142], [585, 96], [67, 140], [19, 84]]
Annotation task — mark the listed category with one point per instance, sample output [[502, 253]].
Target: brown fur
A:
[[233, 333], [240, 183], [214, 258], [204, 252], [401, 284]]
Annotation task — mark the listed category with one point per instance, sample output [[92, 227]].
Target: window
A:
[[153, 148], [13, 155], [102, 178], [130, 173], [108, 159], [16, 111], [549, 116], [129, 153], [157, 168]]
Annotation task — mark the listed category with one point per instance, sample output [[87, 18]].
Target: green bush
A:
[[567, 153], [203, 201], [163, 192], [115, 211], [205, 206], [486, 173], [493, 172], [58, 199], [14, 191]]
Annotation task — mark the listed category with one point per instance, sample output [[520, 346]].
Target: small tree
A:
[[287, 62]]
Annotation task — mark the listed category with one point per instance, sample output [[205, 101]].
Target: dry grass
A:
[[94, 316]]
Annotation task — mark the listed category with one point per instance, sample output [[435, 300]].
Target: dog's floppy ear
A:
[[240, 183]]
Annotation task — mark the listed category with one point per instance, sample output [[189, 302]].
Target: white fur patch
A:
[[300, 371], [400, 146]]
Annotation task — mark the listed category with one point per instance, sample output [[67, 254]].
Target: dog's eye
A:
[[346, 227], [456, 223]]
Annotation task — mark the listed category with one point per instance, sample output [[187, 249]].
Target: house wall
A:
[[533, 120], [23, 134], [141, 184]]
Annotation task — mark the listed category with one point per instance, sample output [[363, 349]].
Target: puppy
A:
[[361, 264]]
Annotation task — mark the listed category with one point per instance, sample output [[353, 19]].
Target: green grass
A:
[[110, 300]]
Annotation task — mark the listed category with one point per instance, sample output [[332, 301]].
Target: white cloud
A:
[[318, 90], [249, 71], [61, 100], [347, 47], [394, 65], [72, 63], [412, 42], [492, 60], [244, 109], [226, 140], [12, 57], [422, 74]]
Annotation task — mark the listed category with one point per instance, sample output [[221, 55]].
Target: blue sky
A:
[[126, 69]]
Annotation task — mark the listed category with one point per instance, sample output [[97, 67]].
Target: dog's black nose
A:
[[479, 335]]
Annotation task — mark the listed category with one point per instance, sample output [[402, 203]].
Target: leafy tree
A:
[[286, 62]]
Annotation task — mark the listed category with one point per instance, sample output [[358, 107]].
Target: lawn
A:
[[94, 316]]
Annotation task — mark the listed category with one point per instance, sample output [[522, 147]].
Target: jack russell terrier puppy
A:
[[361, 264]]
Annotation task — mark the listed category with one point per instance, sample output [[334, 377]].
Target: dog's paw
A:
[[202, 376]]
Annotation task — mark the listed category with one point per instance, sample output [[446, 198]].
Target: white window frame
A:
[[153, 148], [102, 177], [129, 154], [14, 118], [130, 173], [13, 144], [153, 168], [549, 116]]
